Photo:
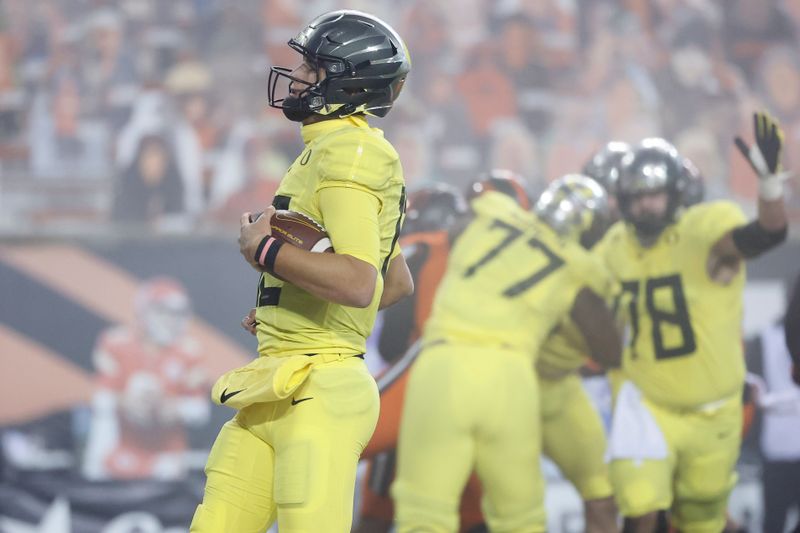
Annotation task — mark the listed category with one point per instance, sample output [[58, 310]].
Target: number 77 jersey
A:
[[510, 280], [684, 347]]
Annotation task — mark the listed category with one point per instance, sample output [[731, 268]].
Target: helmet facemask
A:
[[653, 167], [310, 99]]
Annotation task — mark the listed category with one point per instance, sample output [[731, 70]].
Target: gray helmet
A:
[[653, 166], [603, 167], [365, 63], [576, 207], [694, 190]]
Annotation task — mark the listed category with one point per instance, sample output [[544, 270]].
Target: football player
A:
[[151, 387], [434, 219], [573, 436], [603, 167], [295, 456], [472, 398], [677, 422]]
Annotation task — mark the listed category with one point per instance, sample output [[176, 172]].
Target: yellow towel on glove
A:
[[266, 379]]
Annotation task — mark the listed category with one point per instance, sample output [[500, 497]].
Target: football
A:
[[298, 230]]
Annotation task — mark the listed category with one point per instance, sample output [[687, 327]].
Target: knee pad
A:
[[701, 502], [640, 488], [694, 516], [529, 518]]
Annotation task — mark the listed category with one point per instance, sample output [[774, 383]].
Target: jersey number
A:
[[554, 262], [659, 317]]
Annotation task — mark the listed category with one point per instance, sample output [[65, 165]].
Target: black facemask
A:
[[294, 110]]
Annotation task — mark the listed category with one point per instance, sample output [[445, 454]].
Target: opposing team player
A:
[[293, 452], [677, 421], [472, 397], [151, 387]]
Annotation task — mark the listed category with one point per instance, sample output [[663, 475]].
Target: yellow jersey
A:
[[566, 349], [684, 346], [563, 352], [510, 279], [346, 154]]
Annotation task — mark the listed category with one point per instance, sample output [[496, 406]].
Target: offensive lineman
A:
[[472, 398], [676, 430]]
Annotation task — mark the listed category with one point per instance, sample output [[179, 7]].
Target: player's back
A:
[[684, 346], [509, 280]]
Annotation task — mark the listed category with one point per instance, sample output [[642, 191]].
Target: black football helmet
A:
[[575, 207], [433, 207], [603, 167], [694, 189], [504, 181], [653, 166], [365, 63]]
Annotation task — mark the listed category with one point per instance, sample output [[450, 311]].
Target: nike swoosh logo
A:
[[224, 397], [295, 402]]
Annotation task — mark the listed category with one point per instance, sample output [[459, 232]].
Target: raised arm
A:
[[770, 227]]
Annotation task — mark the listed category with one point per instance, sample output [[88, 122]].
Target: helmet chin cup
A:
[[294, 110]]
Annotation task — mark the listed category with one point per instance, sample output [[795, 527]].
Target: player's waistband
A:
[[707, 408], [321, 357], [439, 341], [334, 356]]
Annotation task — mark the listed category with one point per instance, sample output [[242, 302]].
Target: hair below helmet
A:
[[504, 181], [365, 63], [653, 166], [433, 207], [575, 207]]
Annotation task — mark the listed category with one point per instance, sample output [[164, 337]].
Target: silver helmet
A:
[[575, 207]]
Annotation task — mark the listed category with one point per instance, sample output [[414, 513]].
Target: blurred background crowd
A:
[[129, 126], [154, 112]]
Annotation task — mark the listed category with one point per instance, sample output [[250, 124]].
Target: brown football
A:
[[299, 230]]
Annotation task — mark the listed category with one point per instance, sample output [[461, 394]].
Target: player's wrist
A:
[[770, 186], [267, 252]]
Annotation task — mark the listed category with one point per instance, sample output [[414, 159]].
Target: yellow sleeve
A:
[[712, 220], [603, 249], [395, 251], [357, 161], [350, 217], [593, 274]]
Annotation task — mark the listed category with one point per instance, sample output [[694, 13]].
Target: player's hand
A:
[[252, 233], [249, 322], [765, 156]]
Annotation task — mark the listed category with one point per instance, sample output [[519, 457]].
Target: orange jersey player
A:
[[150, 387]]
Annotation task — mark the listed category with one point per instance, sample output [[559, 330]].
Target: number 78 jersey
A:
[[684, 345], [510, 280]]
